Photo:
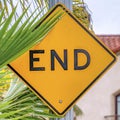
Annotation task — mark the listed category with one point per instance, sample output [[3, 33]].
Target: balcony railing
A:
[[112, 117]]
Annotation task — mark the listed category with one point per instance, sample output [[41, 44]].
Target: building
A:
[[102, 101]]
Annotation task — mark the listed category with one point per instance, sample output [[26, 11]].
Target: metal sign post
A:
[[68, 4]]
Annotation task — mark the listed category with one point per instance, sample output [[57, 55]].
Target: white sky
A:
[[105, 16]]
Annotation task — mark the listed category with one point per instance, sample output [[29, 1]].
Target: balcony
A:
[[112, 117]]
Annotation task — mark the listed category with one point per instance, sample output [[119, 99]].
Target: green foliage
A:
[[20, 103], [82, 13], [5, 78], [17, 38]]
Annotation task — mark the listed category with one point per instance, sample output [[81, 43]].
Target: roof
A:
[[111, 41]]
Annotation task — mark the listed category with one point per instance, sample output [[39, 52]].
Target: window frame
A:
[[116, 106]]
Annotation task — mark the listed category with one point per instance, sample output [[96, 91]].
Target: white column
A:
[[68, 4]]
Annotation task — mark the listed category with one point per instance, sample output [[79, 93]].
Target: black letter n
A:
[[55, 55]]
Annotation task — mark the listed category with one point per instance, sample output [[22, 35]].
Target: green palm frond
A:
[[17, 38], [9, 5], [5, 78], [20, 103]]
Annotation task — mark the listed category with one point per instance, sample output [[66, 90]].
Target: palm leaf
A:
[[20, 102], [5, 78], [11, 46], [6, 25]]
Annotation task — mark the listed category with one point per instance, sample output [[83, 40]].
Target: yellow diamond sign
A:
[[62, 67]]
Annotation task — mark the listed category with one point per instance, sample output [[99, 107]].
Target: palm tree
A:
[[18, 33]]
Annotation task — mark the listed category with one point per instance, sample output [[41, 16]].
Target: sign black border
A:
[[78, 22]]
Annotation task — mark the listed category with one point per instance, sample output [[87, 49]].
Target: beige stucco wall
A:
[[99, 100]]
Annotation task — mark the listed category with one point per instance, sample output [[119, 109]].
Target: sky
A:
[[105, 16]]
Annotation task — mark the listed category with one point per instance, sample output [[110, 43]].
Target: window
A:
[[118, 106]]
